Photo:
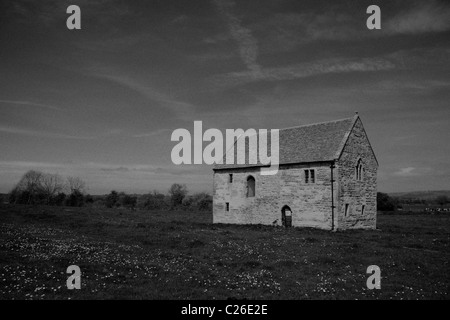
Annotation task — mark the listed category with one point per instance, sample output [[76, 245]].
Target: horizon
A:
[[101, 103], [190, 192]]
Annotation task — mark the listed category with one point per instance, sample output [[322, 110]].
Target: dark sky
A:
[[101, 102]]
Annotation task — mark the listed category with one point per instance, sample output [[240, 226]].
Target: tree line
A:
[[387, 203], [176, 198], [36, 187]]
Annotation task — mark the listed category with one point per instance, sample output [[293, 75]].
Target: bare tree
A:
[[51, 184], [37, 187], [177, 193], [76, 184], [31, 182]]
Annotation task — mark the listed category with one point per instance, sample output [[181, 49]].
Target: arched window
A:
[[250, 187], [359, 170]]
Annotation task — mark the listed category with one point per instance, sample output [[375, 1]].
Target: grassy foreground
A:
[[182, 255]]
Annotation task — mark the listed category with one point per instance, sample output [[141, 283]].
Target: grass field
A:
[[181, 255]]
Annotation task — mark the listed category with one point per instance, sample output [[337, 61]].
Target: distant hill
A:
[[422, 195]]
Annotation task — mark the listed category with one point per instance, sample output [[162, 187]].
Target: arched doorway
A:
[[286, 216]]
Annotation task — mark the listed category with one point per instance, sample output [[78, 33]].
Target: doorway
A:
[[286, 216]]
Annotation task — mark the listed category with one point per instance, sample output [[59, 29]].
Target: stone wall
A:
[[310, 203], [353, 192]]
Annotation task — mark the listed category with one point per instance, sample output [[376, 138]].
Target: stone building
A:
[[327, 179]]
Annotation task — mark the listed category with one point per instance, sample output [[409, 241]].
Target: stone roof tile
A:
[[308, 143]]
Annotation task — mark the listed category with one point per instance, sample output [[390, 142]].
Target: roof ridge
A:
[[317, 123], [295, 127], [321, 141]]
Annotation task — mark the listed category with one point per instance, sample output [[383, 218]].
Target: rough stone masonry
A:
[[327, 178]]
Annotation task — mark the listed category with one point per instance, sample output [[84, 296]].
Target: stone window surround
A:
[[359, 169], [249, 177], [307, 176]]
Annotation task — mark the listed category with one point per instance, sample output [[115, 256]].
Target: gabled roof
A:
[[304, 144]]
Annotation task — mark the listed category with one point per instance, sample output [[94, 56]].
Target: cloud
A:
[[103, 177], [283, 32], [402, 59], [115, 169], [88, 168], [30, 104], [412, 172], [181, 109], [415, 86], [30, 165], [430, 16], [151, 134], [408, 171], [160, 170], [248, 46], [35, 133], [303, 70]]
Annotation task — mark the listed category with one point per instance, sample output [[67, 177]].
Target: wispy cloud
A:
[[429, 16], [408, 171], [169, 170], [36, 133], [248, 46], [74, 165], [98, 167], [151, 134], [31, 165], [303, 70], [402, 59], [283, 32], [30, 104], [417, 86], [103, 177], [181, 109], [412, 171]]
